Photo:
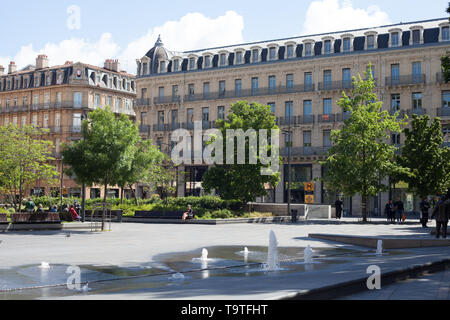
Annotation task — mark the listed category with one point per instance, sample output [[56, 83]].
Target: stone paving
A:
[[134, 244]]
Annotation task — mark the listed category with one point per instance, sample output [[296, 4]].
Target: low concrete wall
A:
[[314, 211]]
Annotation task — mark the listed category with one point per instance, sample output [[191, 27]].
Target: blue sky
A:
[[126, 29]]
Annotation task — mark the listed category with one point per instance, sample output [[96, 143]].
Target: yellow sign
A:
[[309, 186], [65, 191], [309, 199]]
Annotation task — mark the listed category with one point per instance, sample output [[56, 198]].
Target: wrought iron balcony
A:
[[142, 102], [443, 112], [304, 151], [418, 112], [335, 85], [412, 79]]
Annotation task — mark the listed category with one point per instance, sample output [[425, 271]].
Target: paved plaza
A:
[[141, 244]]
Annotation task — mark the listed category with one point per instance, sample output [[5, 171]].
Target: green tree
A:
[[361, 158], [425, 156], [243, 181], [145, 166], [106, 152], [24, 159]]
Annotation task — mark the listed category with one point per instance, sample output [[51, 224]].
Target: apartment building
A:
[[301, 78], [58, 98]]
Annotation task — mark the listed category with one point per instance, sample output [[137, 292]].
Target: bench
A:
[[3, 218], [41, 217], [160, 215]]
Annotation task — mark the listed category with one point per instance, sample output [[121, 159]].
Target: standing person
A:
[[399, 209], [424, 207], [339, 205], [389, 211], [29, 206], [442, 212]]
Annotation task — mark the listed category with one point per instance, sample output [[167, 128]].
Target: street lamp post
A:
[[83, 187]]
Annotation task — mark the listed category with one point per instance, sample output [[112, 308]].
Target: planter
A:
[[3, 218], [44, 217]]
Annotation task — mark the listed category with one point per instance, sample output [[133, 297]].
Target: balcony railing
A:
[[419, 112], [443, 112], [304, 151], [335, 85], [406, 80], [166, 100], [440, 77], [326, 118], [142, 102], [144, 128]]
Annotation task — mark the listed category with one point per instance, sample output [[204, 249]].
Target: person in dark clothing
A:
[[424, 207], [389, 211], [441, 212], [339, 205], [399, 208]]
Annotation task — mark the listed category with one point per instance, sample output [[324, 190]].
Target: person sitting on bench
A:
[[189, 214]]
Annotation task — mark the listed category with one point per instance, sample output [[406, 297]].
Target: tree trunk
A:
[[136, 200], [104, 205], [364, 207], [121, 195]]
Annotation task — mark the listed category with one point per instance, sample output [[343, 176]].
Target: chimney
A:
[[116, 65], [12, 67], [2, 70], [41, 62], [107, 65]]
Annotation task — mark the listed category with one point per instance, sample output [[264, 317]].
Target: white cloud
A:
[[193, 31], [334, 15]]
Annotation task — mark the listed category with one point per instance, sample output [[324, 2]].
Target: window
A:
[[289, 81], [175, 94], [24, 101], [327, 138], [191, 63], [327, 47], [272, 53], [446, 99], [327, 79], [97, 101], [417, 101], [161, 94], [255, 55], [57, 119], [416, 36], [162, 67], [395, 102], [119, 104], [76, 122], [307, 139], [307, 108], [14, 122], [222, 88], [176, 65], [48, 80], [223, 59], [370, 42], [272, 84], [417, 71], [347, 45], [395, 139], [346, 77], [190, 116], [191, 90], [289, 110], [77, 99], [239, 57], [327, 106], [221, 112], [308, 81], [160, 118], [272, 107], [395, 36], [205, 116], [445, 33], [47, 100], [174, 117], [35, 100], [308, 50], [144, 68], [23, 121], [45, 122], [207, 61], [206, 90], [255, 86], [290, 51], [58, 99], [395, 72], [238, 87]]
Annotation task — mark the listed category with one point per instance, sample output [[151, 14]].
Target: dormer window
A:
[[416, 35], [290, 51], [48, 80], [272, 53], [445, 33], [36, 80], [370, 42], [176, 65], [308, 48], [346, 43], [207, 62], [255, 55], [239, 57], [192, 62], [223, 59], [395, 38], [162, 67], [327, 47]]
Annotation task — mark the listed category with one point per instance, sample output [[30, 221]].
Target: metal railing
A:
[[419, 112], [142, 102], [335, 85], [443, 112], [411, 79], [304, 151]]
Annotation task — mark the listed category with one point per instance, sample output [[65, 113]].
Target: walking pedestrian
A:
[[389, 211], [399, 209], [339, 206], [424, 207], [442, 212]]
